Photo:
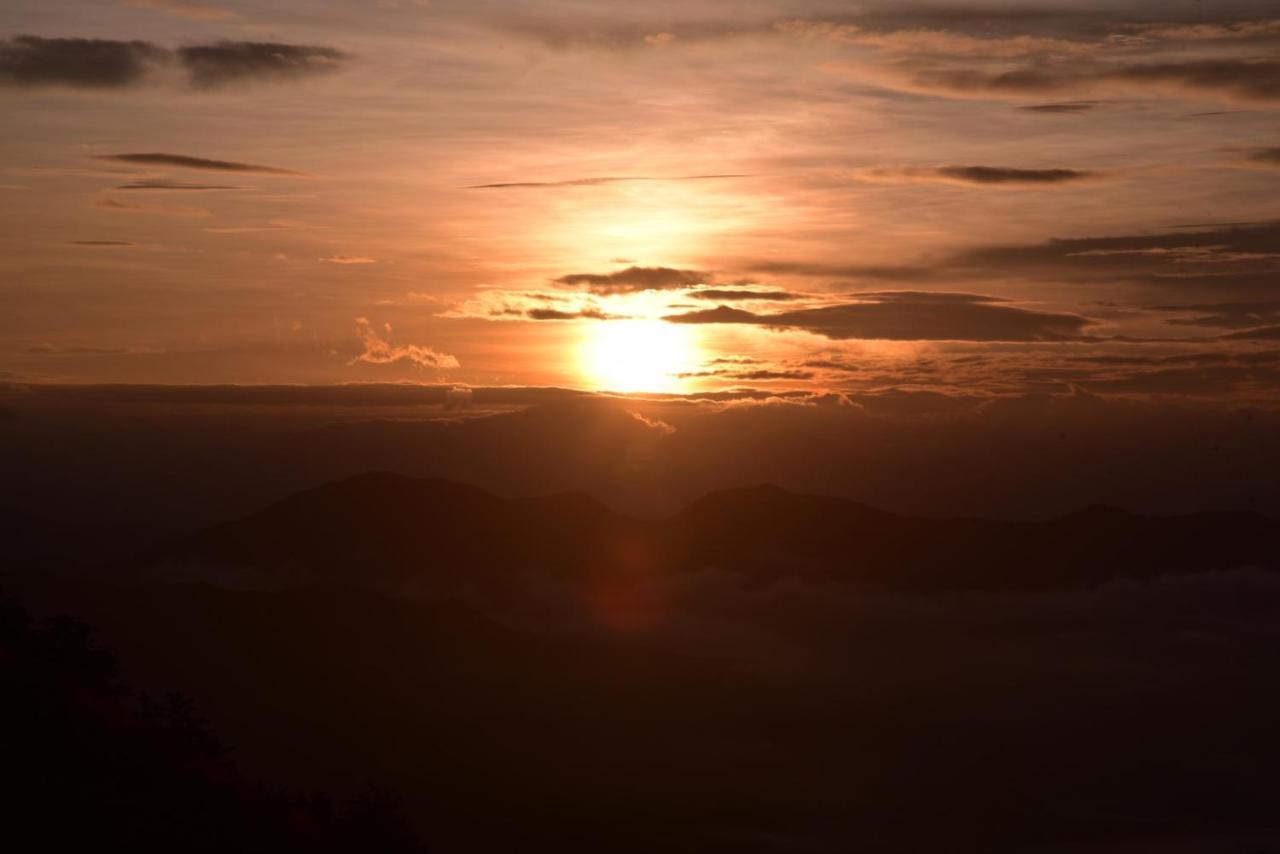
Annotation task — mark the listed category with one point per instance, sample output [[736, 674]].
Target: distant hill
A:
[[392, 532]]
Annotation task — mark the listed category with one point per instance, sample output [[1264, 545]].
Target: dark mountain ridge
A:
[[390, 531]]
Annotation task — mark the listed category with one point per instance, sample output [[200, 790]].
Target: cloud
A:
[[591, 182], [654, 424], [183, 161], [1223, 262], [162, 184], [349, 259], [100, 243], [1229, 315], [228, 62], [379, 350], [557, 314], [1266, 156], [151, 208], [1196, 32], [974, 175], [27, 61], [634, 279], [732, 294], [50, 350], [498, 304], [179, 9], [1245, 79], [1061, 107], [937, 42], [30, 61], [584, 31], [843, 271], [909, 316], [766, 375], [1265, 333]]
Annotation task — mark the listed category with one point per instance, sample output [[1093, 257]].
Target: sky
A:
[[1018, 198]]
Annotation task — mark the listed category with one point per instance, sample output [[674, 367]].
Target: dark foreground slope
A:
[[89, 764], [1121, 720], [396, 532], [763, 672]]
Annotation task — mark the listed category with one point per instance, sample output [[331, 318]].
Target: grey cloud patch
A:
[[592, 182], [1230, 315], [734, 294], [29, 61], [634, 279], [1248, 79], [556, 314], [1265, 333], [183, 161], [766, 375], [228, 62], [1218, 262], [843, 271], [580, 32], [50, 350], [973, 175], [909, 316], [100, 243], [1062, 107], [1006, 175], [1267, 156]]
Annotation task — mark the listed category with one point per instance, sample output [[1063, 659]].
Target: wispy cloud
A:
[[591, 182], [162, 184], [634, 279], [183, 161], [982, 176], [225, 63], [379, 350], [150, 208], [182, 9]]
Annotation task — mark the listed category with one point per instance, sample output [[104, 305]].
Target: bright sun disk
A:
[[638, 355]]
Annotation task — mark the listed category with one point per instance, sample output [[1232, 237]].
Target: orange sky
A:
[[671, 197]]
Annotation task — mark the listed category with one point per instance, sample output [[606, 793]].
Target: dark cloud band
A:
[[32, 61], [183, 161], [909, 316]]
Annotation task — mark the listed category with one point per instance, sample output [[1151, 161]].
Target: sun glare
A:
[[638, 355]]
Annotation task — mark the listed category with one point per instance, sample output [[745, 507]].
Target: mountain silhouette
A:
[[393, 532]]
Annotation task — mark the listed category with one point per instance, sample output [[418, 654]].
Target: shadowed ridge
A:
[[429, 535], [768, 531], [390, 530]]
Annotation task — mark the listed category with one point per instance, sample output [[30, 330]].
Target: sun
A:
[[638, 355]]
